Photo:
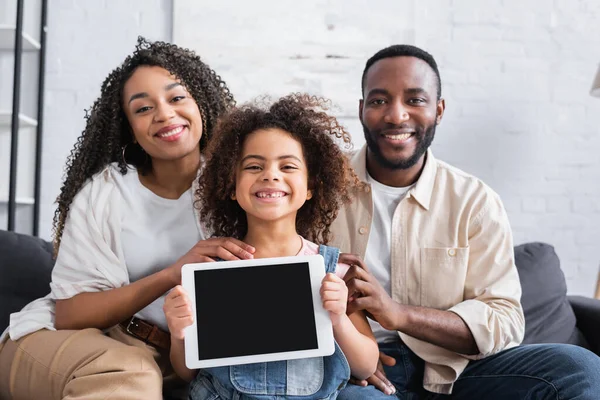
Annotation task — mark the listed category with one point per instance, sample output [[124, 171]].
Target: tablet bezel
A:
[[324, 329]]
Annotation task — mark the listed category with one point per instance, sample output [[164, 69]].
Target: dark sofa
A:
[[551, 316]]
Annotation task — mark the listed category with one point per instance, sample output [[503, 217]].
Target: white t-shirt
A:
[[92, 258], [378, 254], [155, 233]]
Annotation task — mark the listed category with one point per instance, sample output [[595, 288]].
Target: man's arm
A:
[[442, 328], [486, 322]]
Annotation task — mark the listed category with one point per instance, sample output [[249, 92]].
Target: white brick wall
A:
[[86, 40], [516, 76]]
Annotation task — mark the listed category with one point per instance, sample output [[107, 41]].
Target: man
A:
[[438, 278]]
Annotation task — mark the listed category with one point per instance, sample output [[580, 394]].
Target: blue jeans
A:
[[543, 371]]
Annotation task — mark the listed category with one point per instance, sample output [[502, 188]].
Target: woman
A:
[[124, 226]]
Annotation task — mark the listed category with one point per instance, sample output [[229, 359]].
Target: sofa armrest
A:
[[587, 311]]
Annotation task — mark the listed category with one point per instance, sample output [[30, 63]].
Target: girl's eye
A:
[[289, 167], [141, 110], [178, 98], [252, 167]]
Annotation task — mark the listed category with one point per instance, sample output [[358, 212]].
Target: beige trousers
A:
[[83, 364]]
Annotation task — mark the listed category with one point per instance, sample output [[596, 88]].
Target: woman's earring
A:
[[232, 196], [309, 195], [123, 155]]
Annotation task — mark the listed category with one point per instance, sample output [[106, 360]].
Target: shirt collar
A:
[[421, 190]]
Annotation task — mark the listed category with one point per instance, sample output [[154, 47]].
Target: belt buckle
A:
[[132, 322]]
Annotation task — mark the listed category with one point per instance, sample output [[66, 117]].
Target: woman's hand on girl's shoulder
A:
[[225, 248]]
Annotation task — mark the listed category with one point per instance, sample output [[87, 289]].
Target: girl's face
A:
[[163, 116], [271, 177]]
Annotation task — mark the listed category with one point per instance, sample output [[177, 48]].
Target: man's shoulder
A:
[[461, 179], [465, 190]]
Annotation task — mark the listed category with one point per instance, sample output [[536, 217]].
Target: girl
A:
[[275, 179], [125, 224]]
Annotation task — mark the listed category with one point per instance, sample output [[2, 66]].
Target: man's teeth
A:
[[402, 136], [265, 195], [171, 132]]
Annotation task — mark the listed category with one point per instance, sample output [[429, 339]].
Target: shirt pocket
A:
[[443, 273]]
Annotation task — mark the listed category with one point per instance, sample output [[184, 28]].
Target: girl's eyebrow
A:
[[255, 156]]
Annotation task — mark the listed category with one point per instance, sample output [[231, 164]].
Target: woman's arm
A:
[[109, 307]]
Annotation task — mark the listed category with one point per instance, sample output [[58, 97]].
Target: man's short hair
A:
[[403, 50]]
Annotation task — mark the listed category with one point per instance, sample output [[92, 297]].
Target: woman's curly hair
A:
[[330, 177], [107, 129]]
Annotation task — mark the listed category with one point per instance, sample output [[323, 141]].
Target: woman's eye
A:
[[142, 109], [178, 98]]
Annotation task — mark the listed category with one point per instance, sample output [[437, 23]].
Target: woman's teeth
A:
[[171, 132]]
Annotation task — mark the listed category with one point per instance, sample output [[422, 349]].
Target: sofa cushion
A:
[[549, 317], [25, 267]]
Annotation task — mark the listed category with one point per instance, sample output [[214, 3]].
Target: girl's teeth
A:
[[270, 195]]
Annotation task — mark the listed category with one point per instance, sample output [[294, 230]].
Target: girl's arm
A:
[[352, 333], [355, 338], [178, 311]]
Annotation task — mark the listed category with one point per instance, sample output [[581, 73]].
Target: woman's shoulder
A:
[[100, 185]]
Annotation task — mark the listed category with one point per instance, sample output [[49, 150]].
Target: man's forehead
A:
[[400, 72]]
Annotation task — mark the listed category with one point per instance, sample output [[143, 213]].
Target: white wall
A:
[[86, 40], [516, 76]]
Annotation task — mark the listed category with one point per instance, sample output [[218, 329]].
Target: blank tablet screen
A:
[[254, 310]]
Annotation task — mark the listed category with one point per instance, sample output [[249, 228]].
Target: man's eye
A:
[[377, 102]]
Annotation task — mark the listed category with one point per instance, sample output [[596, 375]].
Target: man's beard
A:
[[423, 143]]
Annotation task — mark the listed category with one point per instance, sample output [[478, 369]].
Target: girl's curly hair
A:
[[107, 129], [330, 177]]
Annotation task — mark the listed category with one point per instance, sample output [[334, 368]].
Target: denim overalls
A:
[[304, 379]]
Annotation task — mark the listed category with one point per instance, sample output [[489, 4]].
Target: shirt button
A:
[[451, 252], [362, 230]]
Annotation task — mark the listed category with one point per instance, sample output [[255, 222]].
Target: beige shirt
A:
[[452, 249]]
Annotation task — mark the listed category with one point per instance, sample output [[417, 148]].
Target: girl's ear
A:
[[308, 194]]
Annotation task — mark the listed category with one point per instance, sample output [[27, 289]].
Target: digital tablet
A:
[[251, 311]]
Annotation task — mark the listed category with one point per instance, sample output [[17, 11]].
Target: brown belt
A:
[[147, 332]]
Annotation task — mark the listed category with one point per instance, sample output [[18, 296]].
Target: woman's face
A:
[[271, 181], [163, 116]]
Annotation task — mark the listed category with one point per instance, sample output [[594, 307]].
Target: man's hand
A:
[[378, 379], [366, 293]]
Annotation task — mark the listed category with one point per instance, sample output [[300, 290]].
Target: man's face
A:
[[400, 111]]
